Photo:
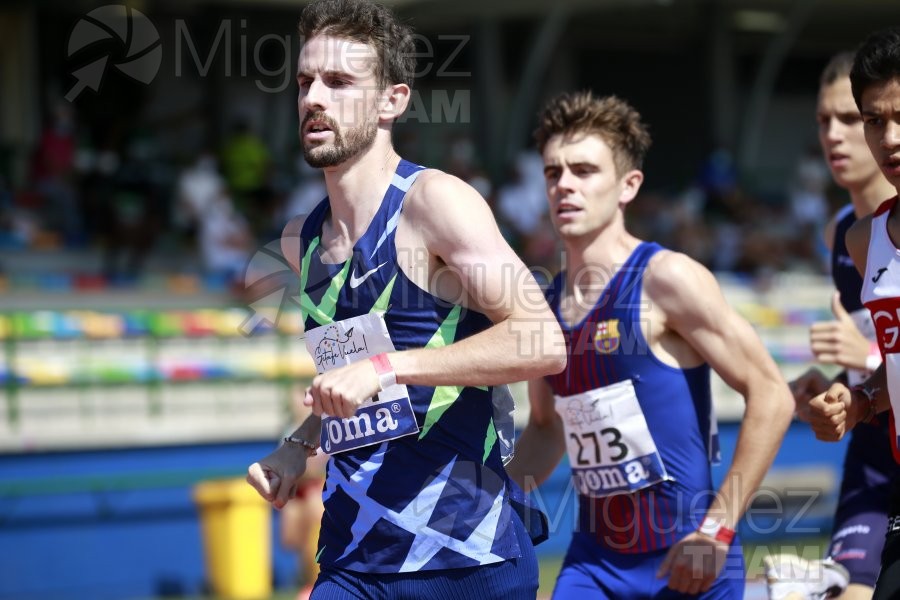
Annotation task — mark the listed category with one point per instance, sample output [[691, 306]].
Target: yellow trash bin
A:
[[237, 539]]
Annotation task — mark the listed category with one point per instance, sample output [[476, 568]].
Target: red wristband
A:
[[717, 531], [386, 375]]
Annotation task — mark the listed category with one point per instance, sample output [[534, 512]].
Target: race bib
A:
[[386, 417], [610, 447]]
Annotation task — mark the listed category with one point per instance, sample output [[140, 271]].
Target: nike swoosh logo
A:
[[356, 281]]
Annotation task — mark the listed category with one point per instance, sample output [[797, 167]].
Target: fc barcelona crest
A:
[[606, 338]]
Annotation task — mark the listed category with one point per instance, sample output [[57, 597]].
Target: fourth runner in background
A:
[[851, 566]]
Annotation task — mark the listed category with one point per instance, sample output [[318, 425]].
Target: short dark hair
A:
[[610, 117], [837, 68], [370, 23], [877, 60]]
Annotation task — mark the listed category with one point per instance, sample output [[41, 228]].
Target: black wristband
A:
[[871, 408]]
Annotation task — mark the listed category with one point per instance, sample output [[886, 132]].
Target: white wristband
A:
[[716, 530], [873, 361]]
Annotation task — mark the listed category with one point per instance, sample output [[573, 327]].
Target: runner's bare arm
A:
[[525, 341], [836, 411], [277, 475], [694, 307], [857, 240], [541, 445], [452, 233]]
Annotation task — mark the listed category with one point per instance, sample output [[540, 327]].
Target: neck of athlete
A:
[[593, 259], [357, 186], [870, 195]]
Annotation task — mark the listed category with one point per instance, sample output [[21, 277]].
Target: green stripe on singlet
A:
[[381, 305], [444, 395], [489, 441], [322, 313]]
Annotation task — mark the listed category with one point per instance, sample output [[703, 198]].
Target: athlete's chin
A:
[[892, 174], [570, 231], [843, 178], [322, 157]]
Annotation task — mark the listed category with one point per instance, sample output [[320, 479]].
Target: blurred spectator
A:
[[522, 201], [718, 175], [6, 205], [541, 252], [461, 156], [689, 232], [462, 164], [198, 188], [134, 211], [17, 228], [225, 240], [98, 171], [748, 234], [809, 207], [718, 180], [246, 164], [52, 171]]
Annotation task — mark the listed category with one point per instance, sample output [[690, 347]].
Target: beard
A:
[[345, 145]]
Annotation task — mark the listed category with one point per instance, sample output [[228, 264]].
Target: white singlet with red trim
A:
[[881, 295]]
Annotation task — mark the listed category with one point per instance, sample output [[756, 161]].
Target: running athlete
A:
[[860, 521], [875, 80], [643, 326], [414, 309]]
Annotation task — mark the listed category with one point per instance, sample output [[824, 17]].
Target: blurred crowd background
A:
[[159, 137]]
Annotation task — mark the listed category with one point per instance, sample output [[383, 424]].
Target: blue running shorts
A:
[[592, 571]]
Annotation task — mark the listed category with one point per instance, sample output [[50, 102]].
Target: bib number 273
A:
[[596, 443]]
